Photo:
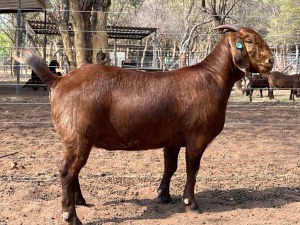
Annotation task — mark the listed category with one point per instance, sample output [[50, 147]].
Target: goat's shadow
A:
[[213, 201]]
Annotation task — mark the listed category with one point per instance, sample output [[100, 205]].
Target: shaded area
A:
[[214, 201]]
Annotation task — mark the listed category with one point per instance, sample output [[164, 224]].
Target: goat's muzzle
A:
[[269, 62], [267, 65]]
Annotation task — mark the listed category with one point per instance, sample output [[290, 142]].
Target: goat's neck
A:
[[219, 65]]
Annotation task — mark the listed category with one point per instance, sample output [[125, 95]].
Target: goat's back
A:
[[258, 79], [281, 80]]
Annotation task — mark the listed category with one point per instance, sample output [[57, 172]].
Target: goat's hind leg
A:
[[170, 166], [270, 93], [74, 160], [292, 94], [79, 199]]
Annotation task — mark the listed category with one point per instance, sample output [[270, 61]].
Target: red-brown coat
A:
[[284, 81], [115, 108]]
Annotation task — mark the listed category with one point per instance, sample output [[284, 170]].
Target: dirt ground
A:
[[249, 174]]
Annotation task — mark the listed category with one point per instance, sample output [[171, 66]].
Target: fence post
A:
[[154, 50], [297, 58], [19, 45]]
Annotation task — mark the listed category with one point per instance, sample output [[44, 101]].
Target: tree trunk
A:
[[79, 33], [173, 52], [100, 48], [67, 46], [277, 60], [61, 19], [160, 58], [182, 60], [100, 37], [87, 7], [284, 52], [144, 52]]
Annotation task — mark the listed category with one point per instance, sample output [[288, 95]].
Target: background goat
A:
[[112, 108], [281, 80], [53, 65], [257, 81]]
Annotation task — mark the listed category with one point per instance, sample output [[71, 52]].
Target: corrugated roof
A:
[[114, 32], [11, 6]]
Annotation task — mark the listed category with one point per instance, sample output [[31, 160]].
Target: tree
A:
[[189, 30], [220, 10], [5, 42], [61, 17], [78, 24], [183, 26], [123, 11], [7, 37], [284, 23], [283, 29], [89, 21], [100, 37]]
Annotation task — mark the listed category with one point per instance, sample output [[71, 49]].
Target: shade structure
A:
[[12, 6]]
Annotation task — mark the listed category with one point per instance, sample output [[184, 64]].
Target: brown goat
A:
[[257, 81], [284, 81], [119, 109]]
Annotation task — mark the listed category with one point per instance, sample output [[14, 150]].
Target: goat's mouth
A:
[[265, 68]]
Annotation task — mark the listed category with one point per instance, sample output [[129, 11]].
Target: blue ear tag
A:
[[238, 45]]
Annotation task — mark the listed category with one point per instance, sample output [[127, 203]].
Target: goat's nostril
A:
[[271, 60]]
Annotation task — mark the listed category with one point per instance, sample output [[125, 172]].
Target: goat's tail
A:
[[34, 59]]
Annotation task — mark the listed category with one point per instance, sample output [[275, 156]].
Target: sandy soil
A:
[[249, 174]]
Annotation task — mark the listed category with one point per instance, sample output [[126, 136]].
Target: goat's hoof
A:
[[71, 220], [75, 222], [164, 198], [80, 201], [191, 207]]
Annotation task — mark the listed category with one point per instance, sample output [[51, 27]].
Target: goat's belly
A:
[[135, 144]]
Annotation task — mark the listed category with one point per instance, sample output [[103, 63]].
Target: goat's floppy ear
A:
[[239, 53]]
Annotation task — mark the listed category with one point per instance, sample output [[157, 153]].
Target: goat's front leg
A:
[[170, 166], [270, 93], [250, 95], [261, 93], [193, 157]]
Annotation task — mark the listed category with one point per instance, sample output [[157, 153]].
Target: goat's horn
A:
[[231, 27]]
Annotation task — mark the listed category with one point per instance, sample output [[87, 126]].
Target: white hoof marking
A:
[[159, 191], [186, 201], [66, 215]]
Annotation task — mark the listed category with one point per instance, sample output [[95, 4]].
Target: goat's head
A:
[[250, 52]]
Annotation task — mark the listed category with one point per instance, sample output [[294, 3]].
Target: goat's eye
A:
[[249, 41]]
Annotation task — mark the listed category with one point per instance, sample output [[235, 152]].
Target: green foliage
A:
[[136, 3], [284, 25], [5, 44], [277, 20]]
